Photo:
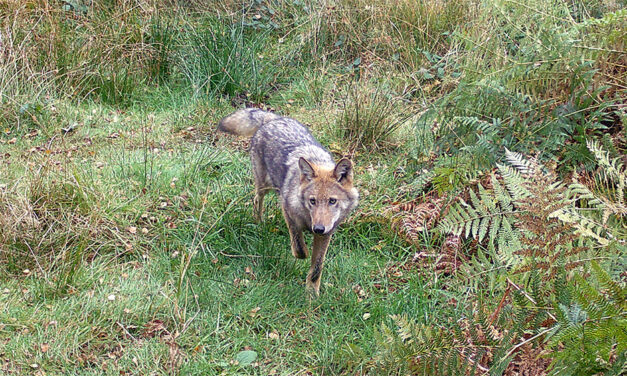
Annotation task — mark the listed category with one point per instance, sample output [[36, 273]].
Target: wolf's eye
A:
[[312, 201], [332, 201]]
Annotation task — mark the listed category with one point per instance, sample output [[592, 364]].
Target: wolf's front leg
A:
[[299, 248], [320, 245], [297, 240]]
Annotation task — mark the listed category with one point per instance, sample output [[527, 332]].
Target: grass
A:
[[188, 287], [369, 117], [127, 244]]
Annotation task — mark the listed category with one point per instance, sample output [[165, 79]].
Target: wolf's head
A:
[[328, 194]]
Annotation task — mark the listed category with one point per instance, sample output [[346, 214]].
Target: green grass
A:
[[127, 242], [198, 273]]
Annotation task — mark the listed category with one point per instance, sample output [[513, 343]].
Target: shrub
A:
[[369, 116]]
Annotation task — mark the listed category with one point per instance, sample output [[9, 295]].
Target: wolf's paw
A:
[[313, 289]]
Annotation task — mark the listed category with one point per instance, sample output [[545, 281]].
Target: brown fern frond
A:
[[411, 218], [451, 256]]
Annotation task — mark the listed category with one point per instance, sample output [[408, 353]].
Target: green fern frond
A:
[[590, 212], [591, 332], [579, 191], [484, 215], [514, 182], [614, 171], [584, 226], [616, 292], [526, 167]]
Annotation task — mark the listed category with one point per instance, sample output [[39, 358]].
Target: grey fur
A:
[[245, 122], [286, 157]]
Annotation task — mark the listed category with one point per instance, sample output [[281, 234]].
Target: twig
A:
[[500, 306], [528, 296], [510, 352], [246, 256], [126, 331]]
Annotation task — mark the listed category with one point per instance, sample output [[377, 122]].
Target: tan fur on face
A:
[[322, 187]]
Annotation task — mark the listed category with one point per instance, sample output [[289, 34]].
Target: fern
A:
[[488, 213], [612, 173], [535, 230], [593, 212], [465, 348], [591, 332], [507, 213]]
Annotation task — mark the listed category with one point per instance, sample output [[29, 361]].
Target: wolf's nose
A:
[[318, 229]]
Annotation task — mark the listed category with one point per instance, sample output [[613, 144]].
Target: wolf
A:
[[316, 194]]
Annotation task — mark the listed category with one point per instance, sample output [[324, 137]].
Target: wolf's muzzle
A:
[[318, 229]]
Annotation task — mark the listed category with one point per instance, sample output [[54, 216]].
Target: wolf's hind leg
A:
[[261, 187], [258, 203]]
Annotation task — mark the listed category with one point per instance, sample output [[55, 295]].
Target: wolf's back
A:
[[246, 121]]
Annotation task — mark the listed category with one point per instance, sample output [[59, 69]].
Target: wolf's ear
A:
[[344, 171], [307, 172]]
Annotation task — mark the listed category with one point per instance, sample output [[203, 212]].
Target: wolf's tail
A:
[[246, 121]]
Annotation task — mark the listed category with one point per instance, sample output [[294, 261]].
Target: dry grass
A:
[[104, 52], [52, 224], [385, 32], [370, 116]]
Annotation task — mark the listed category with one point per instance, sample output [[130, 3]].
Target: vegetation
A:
[[489, 143]]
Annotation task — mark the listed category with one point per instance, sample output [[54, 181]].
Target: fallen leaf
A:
[[154, 328], [273, 335], [245, 358], [32, 133], [253, 312]]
